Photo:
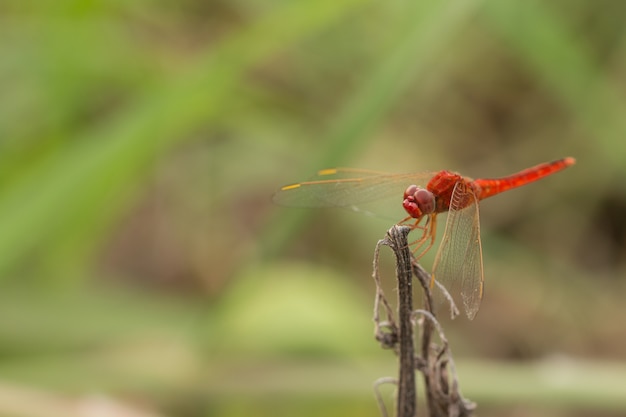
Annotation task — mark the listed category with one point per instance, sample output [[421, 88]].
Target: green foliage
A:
[[74, 189], [140, 143]]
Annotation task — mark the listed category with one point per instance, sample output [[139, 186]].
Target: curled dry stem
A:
[[434, 360]]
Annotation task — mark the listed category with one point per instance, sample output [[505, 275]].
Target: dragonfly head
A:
[[418, 201]]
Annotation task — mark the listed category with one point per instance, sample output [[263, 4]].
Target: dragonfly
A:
[[458, 264]]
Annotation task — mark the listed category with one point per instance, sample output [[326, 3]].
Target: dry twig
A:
[[434, 361]]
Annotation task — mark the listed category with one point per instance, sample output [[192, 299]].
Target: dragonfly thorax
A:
[[418, 201]]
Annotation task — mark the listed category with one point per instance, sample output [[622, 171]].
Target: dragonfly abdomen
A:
[[491, 187]]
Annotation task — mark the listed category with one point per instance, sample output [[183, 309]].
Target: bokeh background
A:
[[145, 271]]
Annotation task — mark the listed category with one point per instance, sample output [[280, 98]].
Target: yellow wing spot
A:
[[329, 171], [290, 187]]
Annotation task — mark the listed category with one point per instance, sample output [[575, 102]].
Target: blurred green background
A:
[[145, 271]]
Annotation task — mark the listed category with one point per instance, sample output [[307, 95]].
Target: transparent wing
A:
[[348, 188], [459, 261]]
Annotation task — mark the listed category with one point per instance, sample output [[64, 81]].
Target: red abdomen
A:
[[490, 187]]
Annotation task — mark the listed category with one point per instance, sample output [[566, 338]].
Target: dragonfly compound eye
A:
[[425, 201], [418, 201], [410, 191]]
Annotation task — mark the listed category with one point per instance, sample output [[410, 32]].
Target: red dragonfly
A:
[[458, 264]]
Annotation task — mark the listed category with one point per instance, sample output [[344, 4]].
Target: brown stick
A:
[[434, 362], [388, 333], [407, 394]]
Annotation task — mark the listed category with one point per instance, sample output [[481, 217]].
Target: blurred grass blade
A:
[[551, 49], [84, 185], [426, 32]]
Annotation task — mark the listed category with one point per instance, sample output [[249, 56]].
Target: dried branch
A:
[[434, 360], [396, 239]]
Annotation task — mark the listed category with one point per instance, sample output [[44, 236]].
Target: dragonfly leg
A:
[[426, 232], [408, 221], [433, 234], [430, 231], [417, 244]]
